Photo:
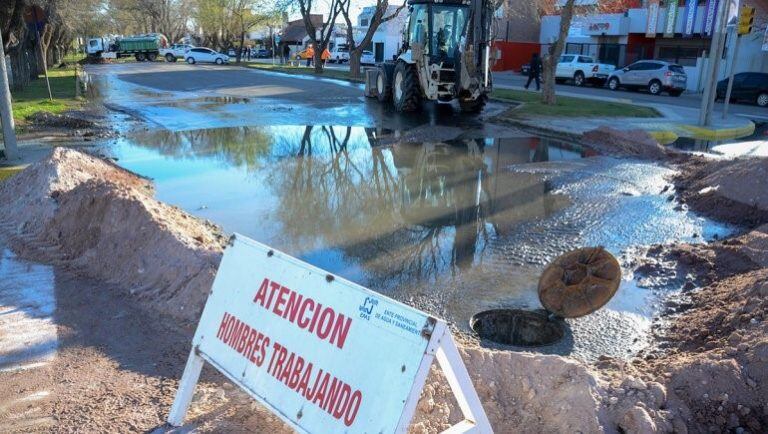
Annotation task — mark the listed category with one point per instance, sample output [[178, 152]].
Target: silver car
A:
[[655, 75]]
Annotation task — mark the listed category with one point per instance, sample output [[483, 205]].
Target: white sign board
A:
[[324, 354]]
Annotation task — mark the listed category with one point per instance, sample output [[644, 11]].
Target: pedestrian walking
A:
[[248, 53], [286, 52], [534, 71]]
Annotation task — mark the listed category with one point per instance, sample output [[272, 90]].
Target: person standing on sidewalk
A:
[[534, 71]]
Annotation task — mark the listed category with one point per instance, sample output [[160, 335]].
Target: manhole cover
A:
[[522, 328]]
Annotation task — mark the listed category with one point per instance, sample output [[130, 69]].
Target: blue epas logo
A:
[[366, 309]]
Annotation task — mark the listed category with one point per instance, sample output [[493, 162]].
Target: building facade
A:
[[654, 31]]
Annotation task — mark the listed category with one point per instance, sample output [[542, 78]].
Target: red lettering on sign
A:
[[306, 313], [243, 338]]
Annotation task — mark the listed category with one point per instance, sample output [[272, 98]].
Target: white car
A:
[[339, 54], [582, 70], [367, 58], [175, 52], [205, 55]]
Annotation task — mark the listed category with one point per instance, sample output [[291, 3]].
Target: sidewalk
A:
[[675, 121]]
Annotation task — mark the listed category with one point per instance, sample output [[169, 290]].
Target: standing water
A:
[[451, 227]]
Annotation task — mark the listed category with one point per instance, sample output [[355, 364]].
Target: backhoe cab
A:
[[445, 55]]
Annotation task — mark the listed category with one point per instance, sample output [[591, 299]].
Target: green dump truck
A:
[[142, 47]]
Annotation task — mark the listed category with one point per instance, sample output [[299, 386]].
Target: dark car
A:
[[747, 86], [263, 53]]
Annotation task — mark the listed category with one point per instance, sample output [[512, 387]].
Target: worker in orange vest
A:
[[310, 55], [325, 56]]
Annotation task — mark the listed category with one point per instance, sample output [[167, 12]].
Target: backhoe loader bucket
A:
[[579, 282]]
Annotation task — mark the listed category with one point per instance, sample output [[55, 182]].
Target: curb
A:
[[704, 133], [663, 137]]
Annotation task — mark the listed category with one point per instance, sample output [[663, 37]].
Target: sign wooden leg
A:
[[186, 389], [458, 378]]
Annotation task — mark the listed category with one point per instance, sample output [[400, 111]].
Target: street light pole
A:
[[6, 110]]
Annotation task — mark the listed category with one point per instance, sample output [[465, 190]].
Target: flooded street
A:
[[437, 210]]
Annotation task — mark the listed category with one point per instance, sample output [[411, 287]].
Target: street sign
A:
[[320, 352]]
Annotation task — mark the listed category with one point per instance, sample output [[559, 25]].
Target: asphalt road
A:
[[689, 100], [178, 96]]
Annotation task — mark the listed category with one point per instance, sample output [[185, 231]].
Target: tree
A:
[[320, 37], [378, 18], [555, 50]]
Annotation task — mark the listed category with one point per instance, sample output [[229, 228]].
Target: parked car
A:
[[367, 58], [175, 52], [339, 54], [655, 75], [747, 86], [205, 55], [582, 69], [263, 53]]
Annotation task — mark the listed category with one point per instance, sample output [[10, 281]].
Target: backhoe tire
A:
[[473, 105], [406, 92], [383, 86]]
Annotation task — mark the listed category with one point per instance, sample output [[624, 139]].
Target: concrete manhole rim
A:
[[523, 321]]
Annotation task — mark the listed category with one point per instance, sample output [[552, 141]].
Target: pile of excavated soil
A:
[[625, 143], [714, 357], [88, 215], [94, 218], [729, 190]]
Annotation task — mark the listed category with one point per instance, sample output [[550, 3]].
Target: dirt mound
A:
[[624, 143], [730, 190], [78, 211], [520, 393], [46, 119]]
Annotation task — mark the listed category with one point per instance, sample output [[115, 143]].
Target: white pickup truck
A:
[[582, 69], [175, 52]]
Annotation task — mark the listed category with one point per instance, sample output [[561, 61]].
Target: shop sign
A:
[[691, 8], [765, 39], [669, 28], [710, 15], [653, 19]]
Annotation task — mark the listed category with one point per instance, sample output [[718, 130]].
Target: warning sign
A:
[[323, 353]]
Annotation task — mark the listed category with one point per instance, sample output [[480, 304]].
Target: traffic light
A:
[[746, 18]]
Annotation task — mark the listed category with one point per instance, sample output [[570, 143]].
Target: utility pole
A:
[[744, 27], [715, 55], [6, 110], [727, 100]]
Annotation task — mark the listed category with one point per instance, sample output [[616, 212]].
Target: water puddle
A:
[[455, 227]]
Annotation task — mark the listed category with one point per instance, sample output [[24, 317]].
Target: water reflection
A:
[[377, 214]]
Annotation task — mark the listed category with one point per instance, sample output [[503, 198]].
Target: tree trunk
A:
[[354, 63], [239, 52], [555, 50], [318, 59]]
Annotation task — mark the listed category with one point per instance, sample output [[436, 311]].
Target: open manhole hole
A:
[[522, 328]]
